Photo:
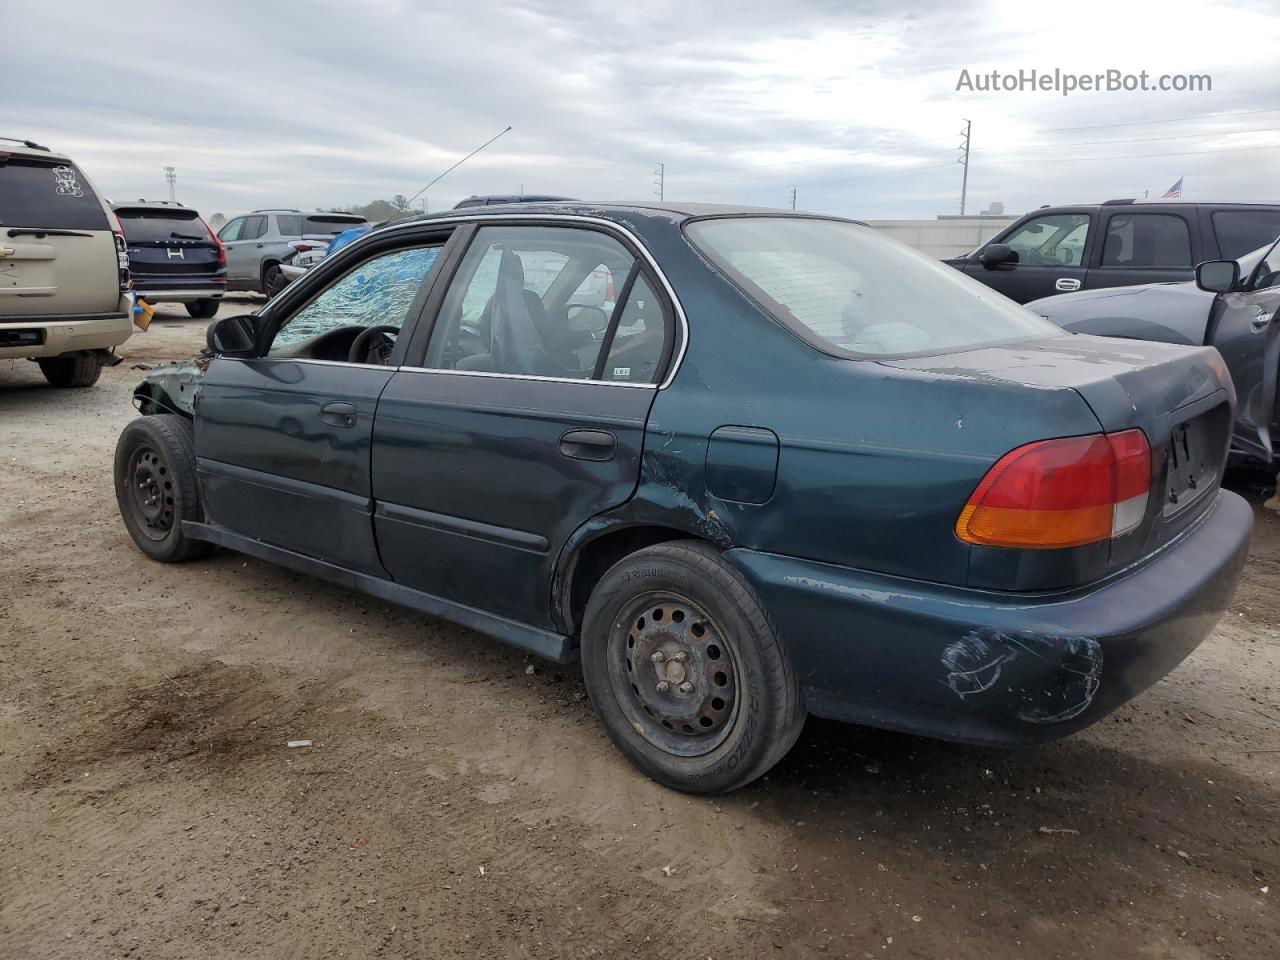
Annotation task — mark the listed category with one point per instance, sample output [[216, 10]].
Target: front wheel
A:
[[685, 669], [82, 370], [155, 479], [203, 309]]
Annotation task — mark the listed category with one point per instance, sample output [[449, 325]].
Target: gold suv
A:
[[63, 267]]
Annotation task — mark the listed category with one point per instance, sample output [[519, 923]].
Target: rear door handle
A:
[[588, 445], [339, 413]]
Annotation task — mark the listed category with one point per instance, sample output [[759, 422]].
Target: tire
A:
[[155, 480], [732, 707], [273, 280], [203, 309], [81, 370]]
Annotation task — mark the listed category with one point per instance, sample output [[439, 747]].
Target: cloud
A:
[[853, 104]]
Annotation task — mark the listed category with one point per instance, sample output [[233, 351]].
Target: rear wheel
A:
[[155, 479], [685, 669], [273, 280], [81, 370], [203, 309]]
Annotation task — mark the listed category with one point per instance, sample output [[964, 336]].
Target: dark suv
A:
[[173, 255], [1115, 244]]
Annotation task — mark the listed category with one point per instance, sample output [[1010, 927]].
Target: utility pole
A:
[[171, 176], [793, 198], [659, 183], [964, 162]]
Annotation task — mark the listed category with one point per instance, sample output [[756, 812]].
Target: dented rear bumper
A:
[[998, 668]]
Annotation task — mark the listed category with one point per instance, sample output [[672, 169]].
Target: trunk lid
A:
[[1180, 397], [57, 249]]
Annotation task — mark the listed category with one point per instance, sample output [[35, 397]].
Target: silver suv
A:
[[258, 242], [63, 267]]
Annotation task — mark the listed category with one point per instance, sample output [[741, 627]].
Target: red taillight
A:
[[1061, 493], [222, 251]]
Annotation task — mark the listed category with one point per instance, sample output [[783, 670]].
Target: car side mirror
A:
[[998, 256], [233, 336], [1218, 276]]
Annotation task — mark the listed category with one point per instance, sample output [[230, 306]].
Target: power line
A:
[[1134, 123], [1144, 156], [1180, 136]]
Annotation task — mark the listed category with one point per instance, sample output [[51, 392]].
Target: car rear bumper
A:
[[52, 336], [292, 271], [179, 289], [997, 668]]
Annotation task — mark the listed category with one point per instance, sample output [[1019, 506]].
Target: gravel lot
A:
[[456, 805]]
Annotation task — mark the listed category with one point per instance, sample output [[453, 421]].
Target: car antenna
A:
[[442, 176]]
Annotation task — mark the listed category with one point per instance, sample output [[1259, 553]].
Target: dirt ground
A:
[[456, 805]]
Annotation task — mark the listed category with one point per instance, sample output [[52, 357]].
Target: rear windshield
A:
[[41, 193], [851, 291], [141, 226], [297, 225]]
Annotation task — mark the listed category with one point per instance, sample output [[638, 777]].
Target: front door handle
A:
[[588, 445], [339, 413], [1066, 284], [1260, 320]]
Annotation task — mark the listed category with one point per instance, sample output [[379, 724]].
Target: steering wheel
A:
[[366, 349]]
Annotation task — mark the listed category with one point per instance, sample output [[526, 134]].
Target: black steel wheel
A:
[[686, 671], [155, 481], [674, 673], [150, 495]]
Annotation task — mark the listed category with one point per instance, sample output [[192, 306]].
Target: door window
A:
[[1147, 240], [635, 354], [232, 230], [376, 293], [511, 307], [1240, 231], [254, 227], [289, 224], [1057, 240], [1267, 273]]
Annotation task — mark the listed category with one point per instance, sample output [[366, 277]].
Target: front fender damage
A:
[[172, 388]]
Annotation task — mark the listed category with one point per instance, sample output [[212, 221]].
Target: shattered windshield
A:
[[376, 293], [841, 285]]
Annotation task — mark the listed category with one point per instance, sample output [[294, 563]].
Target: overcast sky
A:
[[854, 104]]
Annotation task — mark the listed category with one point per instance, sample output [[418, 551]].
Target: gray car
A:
[[1232, 305], [258, 242]]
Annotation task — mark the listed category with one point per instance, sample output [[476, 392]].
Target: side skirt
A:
[[544, 643]]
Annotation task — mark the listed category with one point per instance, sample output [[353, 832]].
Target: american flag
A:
[[1174, 192]]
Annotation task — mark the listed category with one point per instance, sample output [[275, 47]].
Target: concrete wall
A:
[[945, 236]]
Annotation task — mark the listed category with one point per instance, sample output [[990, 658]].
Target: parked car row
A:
[[787, 467]]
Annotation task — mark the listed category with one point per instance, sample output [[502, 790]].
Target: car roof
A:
[[612, 210], [150, 205], [27, 148], [1148, 204]]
